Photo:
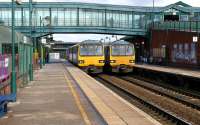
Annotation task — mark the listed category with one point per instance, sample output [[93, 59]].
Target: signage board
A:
[[195, 39]]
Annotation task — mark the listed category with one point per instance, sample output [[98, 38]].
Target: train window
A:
[[91, 50], [83, 50], [129, 50], [122, 50], [99, 50]]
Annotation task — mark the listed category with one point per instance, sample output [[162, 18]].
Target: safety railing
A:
[[24, 61], [192, 26]]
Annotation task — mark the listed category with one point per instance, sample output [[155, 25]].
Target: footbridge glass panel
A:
[[83, 17]]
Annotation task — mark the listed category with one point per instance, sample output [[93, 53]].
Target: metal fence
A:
[[23, 61]]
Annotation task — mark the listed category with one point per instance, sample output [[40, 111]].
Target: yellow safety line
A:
[[78, 102]]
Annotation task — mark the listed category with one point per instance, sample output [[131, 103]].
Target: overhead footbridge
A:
[[70, 17]]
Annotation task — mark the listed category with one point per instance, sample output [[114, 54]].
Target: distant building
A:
[[61, 47]]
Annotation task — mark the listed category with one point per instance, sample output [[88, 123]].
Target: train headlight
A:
[[112, 61], [81, 61], [101, 61], [131, 61]]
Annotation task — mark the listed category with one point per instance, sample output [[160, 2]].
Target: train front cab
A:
[[122, 58], [91, 58]]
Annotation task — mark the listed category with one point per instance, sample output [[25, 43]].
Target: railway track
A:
[[180, 97], [190, 93], [178, 112]]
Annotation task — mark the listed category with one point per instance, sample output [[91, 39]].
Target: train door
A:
[[76, 54], [107, 54], [107, 58]]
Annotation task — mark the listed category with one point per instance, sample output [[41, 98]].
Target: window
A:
[[91, 50], [183, 17], [158, 18], [136, 21], [122, 50]]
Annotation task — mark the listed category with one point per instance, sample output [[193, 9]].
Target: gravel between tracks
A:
[[184, 98], [187, 113]]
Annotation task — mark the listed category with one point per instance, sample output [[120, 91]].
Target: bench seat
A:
[[4, 100]]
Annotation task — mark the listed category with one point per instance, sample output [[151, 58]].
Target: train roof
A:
[[121, 42], [87, 42], [91, 42]]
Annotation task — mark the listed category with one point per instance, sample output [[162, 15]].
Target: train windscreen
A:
[[122, 50], [91, 50]]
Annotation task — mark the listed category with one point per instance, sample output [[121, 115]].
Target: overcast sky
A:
[[127, 2], [81, 37]]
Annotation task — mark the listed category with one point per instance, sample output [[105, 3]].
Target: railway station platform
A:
[[170, 70], [62, 94]]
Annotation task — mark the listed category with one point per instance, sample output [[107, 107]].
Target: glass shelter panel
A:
[[136, 20], [158, 17], [119, 19], [26, 17], [70, 17], [5, 16], [142, 21], [18, 17], [61, 16], [43, 17], [91, 17], [54, 17]]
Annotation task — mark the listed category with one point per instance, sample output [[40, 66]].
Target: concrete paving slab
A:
[[113, 108], [49, 101]]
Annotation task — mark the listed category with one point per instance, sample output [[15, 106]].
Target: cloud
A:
[[124, 2], [81, 37]]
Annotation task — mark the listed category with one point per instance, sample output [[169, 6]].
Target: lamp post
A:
[[31, 50], [41, 47], [153, 4], [13, 73], [153, 13], [13, 80]]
